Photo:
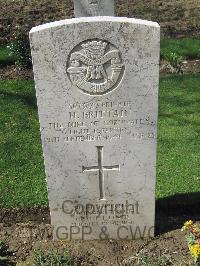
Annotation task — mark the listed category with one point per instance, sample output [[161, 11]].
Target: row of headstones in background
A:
[[89, 8], [97, 92]]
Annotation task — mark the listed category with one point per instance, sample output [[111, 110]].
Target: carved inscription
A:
[[100, 121], [95, 67]]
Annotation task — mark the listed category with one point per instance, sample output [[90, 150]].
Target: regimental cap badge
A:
[[95, 67]]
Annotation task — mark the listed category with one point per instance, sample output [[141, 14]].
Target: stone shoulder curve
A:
[[93, 19]]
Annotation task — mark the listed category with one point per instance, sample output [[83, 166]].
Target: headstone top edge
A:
[[90, 8], [94, 19]]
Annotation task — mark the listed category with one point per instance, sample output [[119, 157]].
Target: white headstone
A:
[[89, 8], [97, 92]]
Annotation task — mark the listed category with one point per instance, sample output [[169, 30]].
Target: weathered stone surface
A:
[[97, 91], [88, 8]]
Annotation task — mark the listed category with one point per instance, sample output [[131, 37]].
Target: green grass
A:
[[178, 140], [5, 57], [22, 177], [188, 48]]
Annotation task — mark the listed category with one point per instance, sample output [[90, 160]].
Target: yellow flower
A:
[[195, 250], [188, 223]]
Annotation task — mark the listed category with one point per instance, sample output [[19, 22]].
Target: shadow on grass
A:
[[7, 62], [28, 99], [173, 211]]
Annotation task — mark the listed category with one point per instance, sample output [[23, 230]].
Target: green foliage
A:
[[188, 48], [5, 56], [176, 61], [155, 261], [3, 254], [190, 239], [176, 50], [144, 259], [20, 49], [52, 259]]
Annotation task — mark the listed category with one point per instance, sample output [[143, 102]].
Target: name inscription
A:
[[100, 121]]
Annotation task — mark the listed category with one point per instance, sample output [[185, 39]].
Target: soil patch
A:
[[190, 66], [26, 230], [13, 72], [23, 239]]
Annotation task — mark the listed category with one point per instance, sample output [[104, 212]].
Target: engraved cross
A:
[[101, 168]]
